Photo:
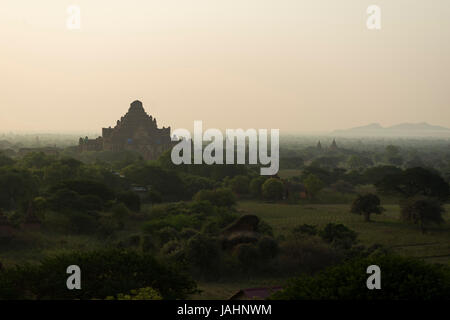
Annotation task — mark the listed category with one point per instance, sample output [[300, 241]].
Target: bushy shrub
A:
[[255, 187], [148, 243], [187, 233], [166, 182], [402, 279], [221, 197], [177, 222], [211, 227], [120, 213], [422, 211], [273, 189], [104, 273], [203, 252], [174, 252], [153, 196], [86, 187], [194, 184], [107, 226], [305, 229], [248, 255], [264, 228], [131, 241], [82, 223], [130, 199], [167, 234], [313, 184], [308, 254], [339, 235], [268, 248], [240, 184]]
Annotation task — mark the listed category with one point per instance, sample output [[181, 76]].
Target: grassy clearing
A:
[[386, 229]]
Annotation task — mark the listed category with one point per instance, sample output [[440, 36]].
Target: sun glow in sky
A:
[[303, 66]]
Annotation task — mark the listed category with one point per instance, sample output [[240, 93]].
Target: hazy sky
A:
[[288, 64]]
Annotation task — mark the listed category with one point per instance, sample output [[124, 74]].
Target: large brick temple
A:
[[136, 131]]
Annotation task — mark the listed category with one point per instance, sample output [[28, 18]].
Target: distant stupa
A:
[[319, 145], [333, 145]]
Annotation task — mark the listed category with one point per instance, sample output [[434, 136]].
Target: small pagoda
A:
[[333, 146]]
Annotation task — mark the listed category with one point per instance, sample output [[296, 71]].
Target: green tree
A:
[[256, 186], [120, 214], [268, 247], [104, 273], [130, 199], [5, 160], [194, 184], [203, 252], [375, 174], [422, 211], [339, 235], [248, 255], [305, 229], [393, 155], [240, 184], [221, 197], [326, 162], [166, 182], [313, 185], [86, 187], [273, 189], [415, 181], [366, 205], [17, 187], [402, 279], [37, 160]]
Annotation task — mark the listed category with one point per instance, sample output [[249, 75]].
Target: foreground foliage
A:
[[103, 273], [401, 279]]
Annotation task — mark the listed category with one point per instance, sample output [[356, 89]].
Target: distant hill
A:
[[422, 129]]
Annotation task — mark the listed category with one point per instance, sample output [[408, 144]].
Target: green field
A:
[[386, 228]]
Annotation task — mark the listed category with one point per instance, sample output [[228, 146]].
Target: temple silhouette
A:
[[136, 131]]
